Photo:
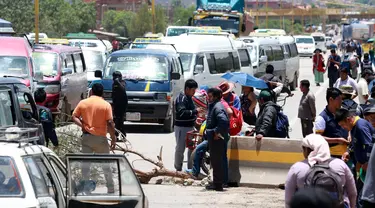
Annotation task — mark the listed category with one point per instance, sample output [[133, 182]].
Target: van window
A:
[[69, 62], [236, 61], [244, 57], [7, 116], [293, 50], [268, 51], [287, 49], [211, 62], [78, 63], [278, 54], [39, 184], [223, 63], [305, 40], [318, 38]]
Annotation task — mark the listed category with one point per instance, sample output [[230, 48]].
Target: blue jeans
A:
[[200, 150]]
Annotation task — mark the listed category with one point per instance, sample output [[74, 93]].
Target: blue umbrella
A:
[[245, 80]]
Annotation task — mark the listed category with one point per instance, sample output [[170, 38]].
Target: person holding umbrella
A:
[[318, 66]]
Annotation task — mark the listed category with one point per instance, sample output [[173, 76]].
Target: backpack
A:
[[322, 176], [235, 122], [282, 125]]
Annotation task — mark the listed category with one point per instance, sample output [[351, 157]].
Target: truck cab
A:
[[17, 106], [153, 79]]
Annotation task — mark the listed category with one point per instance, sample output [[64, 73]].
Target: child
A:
[[45, 117]]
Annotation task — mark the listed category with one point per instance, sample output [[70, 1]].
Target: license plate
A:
[[133, 116]]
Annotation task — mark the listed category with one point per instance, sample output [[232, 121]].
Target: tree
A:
[[161, 19], [118, 22], [142, 23], [181, 15], [20, 13]]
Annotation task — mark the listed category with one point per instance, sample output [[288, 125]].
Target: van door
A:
[[68, 92], [80, 79], [201, 74], [279, 63], [112, 181], [264, 51], [178, 85], [246, 65]]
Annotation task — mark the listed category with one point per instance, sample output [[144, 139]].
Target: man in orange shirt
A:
[[94, 116]]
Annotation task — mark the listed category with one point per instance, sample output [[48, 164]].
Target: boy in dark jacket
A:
[[45, 117], [267, 116], [186, 114], [120, 101]]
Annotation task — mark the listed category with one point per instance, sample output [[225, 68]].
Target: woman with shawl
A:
[[318, 67], [316, 150]]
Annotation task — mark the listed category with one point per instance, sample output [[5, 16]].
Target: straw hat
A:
[[226, 87]]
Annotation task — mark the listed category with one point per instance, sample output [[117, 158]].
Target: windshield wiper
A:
[[11, 76], [158, 81]]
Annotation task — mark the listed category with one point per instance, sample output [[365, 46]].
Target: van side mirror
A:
[[263, 59], [67, 71], [98, 74], [175, 76], [198, 69], [38, 76]]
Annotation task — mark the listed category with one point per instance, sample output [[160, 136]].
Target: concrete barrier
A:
[[262, 163]]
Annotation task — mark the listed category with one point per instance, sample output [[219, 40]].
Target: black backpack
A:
[[322, 176]]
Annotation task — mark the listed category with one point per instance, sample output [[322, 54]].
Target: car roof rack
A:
[[19, 135]]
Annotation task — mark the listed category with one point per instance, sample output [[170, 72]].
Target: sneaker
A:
[[215, 187]]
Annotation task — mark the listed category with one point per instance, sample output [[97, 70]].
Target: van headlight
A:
[[161, 96], [52, 89]]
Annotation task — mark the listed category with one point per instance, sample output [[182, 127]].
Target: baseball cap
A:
[[264, 94]]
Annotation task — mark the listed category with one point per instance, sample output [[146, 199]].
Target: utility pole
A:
[[36, 8], [153, 16], [257, 20], [281, 19], [267, 14], [292, 29]]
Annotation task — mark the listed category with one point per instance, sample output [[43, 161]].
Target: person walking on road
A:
[[306, 110], [318, 66], [120, 101], [217, 133], [363, 93], [316, 150], [326, 125], [333, 63], [94, 116], [186, 115], [345, 79]]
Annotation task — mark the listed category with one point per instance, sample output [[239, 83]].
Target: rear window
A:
[[14, 66], [10, 182], [304, 40], [318, 38]]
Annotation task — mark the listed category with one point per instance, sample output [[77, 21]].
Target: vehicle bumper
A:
[[305, 54], [52, 101], [154, 111]]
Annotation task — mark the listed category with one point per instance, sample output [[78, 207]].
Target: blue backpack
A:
[[282, 125]]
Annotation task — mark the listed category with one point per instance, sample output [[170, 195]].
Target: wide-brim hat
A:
[[226, 87], [347, 90], [317, 50]]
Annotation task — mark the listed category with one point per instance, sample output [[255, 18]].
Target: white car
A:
[[34, 176]]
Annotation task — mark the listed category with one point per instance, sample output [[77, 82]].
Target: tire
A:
[[205, 163], [168, 125], [294, 84]]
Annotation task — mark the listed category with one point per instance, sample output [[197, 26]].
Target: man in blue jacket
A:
[[186, 114], [217, 133]]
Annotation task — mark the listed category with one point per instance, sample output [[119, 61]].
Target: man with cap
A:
[[326, 125], [267, 116], [347, 101], [345, 79], [363, 93]]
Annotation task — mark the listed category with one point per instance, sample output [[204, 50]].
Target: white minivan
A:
[[320, 41], [266, 51], [292, 60], [205, 58], [305, 45]]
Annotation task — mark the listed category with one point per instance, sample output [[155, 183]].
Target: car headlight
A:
[[52, 89], [161, 96]]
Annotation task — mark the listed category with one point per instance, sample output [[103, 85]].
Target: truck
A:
[[355, 31], [229, 15]]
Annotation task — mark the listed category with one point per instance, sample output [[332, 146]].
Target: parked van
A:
[[305, 45], [244, 55], [205, 58], [266, 51], [16, 60], [291, 58], [153, 80], [61, 71], [320, 41]]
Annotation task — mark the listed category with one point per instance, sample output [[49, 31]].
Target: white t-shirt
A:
[[362, 90], [320, 124], [349, 81]]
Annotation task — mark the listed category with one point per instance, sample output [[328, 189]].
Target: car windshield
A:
[[253, 52], [230, 24], [186, 60], [45, 63], [94, 60], [10, 181], [6, 108], [176, 31], [14, 66], [138, 66], [304, 40], [318, 38]]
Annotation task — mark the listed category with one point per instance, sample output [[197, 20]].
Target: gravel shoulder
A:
[[165, 196]]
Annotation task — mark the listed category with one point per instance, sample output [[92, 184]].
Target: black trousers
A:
[[366, 204], [119, 120], [332, 77], [307, 127], [217, 150]]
